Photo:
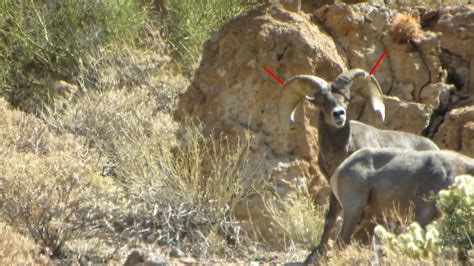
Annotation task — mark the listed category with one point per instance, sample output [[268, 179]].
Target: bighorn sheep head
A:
[[331, 98]]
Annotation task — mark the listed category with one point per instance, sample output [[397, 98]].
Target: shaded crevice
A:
[[280, 55], [389, 66], [453, 77], [436, 120]]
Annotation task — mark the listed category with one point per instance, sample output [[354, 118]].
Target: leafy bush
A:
[[416, 242], [454, 229], [46, 41], [190, 22]]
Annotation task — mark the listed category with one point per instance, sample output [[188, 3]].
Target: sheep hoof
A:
[[313, 257]]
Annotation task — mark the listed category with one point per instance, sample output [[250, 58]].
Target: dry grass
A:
[[296, 221], [109, 165], [405, 28], [18, 249], [407, 4]]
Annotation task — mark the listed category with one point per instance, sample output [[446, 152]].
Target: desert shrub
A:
[[48, 180], [456, 226], [46, 41], [297, 220], [24, 133], [103, 117], [416, 242], [454, 229], [41, 196], [189, 23], [404, 28], [407, 4], [18, 249], [183, 193]]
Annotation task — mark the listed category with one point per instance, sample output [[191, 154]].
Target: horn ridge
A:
[[294, 92], [367, 86]]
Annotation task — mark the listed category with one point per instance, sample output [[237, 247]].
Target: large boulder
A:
[[232, 93], [457, 131]]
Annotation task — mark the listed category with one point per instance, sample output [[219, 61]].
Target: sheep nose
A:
[[338, 113]]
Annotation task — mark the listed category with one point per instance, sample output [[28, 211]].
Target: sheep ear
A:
[[295, 91]]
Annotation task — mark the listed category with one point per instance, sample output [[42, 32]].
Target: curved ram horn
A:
[[295, 90], [359, 81]]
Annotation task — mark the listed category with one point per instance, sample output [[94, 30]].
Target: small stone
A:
[[254, 263], [176, 253], [293, 264], [187, 261], [260, 257], [156, 262], [134, 258]]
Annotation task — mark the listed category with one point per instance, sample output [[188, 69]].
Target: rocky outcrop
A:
[[457, 131], [456, 29], [233, 95]]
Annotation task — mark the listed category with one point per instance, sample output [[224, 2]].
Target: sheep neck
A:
[[333, 140]]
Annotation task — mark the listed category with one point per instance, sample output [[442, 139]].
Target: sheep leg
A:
[[350, 218], [425, 211], [364, 234], [329, 221]]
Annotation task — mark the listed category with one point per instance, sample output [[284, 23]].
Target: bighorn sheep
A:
[[375, 181], [338, 139]]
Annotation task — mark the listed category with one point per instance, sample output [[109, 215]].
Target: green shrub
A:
[[189, 24], [46, 41], [456, 227]]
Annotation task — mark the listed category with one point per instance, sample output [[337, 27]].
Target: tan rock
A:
[[456, 132], [291, 5], [467, 139], [456, 26], [231, 88], [400, 115], [361, 32], [310, 6], [436, 95]]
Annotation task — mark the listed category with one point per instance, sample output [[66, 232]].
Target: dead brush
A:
[[295, 221], [18, 249], [396, 222], [404, 28], [181, 194], [41, 197]]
